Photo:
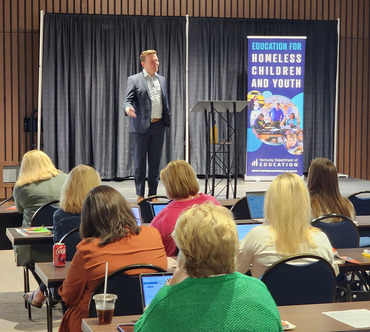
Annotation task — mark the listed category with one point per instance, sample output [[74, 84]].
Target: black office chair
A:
[[361, 202], [301, 279], [342, 234], [42, 217], [71, 240], [240, 209], [345, 234], [146, 210], [127, 289]]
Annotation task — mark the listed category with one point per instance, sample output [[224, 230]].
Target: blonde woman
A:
[[287, 229], [182, 188], [80, 181], [39, 183], [324, 191], [205, 293]]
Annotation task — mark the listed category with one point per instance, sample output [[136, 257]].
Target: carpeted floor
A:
[[14, 317], [13, 314]]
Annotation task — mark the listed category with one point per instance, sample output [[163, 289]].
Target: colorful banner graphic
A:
[[275, 109]]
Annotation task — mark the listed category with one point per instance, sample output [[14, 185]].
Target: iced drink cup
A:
[[105, 307]]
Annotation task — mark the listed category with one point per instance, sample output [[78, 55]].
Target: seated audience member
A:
[[287, 230], [39, 183], [324, 191], [182, 187], [109, 234], [80, 181], [205, 293]]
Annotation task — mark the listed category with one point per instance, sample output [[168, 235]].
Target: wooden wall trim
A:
[[19, 39]]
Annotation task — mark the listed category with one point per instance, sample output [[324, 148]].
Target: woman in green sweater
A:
[[205, 293]]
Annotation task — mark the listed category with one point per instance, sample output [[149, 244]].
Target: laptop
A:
[[255, 201], [150, 284], [157, 207], [243, 229], [137, 214]]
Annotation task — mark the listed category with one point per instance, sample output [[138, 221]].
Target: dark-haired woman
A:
[[324, 191], [109, 234]]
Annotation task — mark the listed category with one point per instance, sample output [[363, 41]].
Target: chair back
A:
[[44, 215], [361, 202], [146, 209], [71, 240], [301, 279], [240, 209], [342, 234], [126, 287]]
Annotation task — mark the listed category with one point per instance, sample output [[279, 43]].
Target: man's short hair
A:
[[144, 54]]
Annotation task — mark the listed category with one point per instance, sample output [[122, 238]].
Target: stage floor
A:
[[347, 186]]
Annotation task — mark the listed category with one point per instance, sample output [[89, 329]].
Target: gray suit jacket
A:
[[137, 95]]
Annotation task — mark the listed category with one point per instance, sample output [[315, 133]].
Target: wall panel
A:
[[19, 39]]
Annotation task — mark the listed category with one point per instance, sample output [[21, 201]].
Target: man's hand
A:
[[130, 111]]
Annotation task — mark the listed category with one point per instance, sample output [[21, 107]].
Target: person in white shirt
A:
[[286, 231]]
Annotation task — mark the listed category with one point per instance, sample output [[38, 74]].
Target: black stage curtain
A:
[[87, 59], [218, 71]]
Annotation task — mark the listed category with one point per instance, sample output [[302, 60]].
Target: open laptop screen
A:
[[243, 229], [150, 284], [157, 207], [137, 214], [255, 201]]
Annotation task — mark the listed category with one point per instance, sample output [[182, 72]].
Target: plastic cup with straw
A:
[[104, 303]]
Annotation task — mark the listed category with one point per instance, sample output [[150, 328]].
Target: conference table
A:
[[17, 236], [9, 217], [307, 317]]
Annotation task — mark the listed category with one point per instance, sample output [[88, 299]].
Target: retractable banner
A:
[[275, 108]]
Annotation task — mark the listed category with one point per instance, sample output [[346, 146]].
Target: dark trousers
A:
[[149, 146]]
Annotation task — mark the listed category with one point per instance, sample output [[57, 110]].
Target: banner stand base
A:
[[259, 178]]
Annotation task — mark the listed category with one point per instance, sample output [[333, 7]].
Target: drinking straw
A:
[[105, 281]]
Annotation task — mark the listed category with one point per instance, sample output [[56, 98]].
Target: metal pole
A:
[[187, 143], [40, 81], [336, 100]]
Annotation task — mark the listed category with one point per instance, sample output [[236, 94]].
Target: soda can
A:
[[59, 254]]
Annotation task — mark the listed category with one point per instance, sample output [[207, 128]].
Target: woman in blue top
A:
[[80, 181], [292, 121]]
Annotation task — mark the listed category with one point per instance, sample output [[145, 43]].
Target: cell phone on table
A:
[[127, 327]]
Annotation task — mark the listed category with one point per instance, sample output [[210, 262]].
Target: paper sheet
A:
[[358, 318]]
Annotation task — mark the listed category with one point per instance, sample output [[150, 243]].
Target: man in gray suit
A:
[[147, 105]]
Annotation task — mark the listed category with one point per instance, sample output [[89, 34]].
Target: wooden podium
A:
[[219, 152]]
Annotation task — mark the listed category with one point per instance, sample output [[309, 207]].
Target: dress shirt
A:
[[155, 94]]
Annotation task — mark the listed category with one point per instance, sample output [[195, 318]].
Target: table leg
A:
[[49, 309]]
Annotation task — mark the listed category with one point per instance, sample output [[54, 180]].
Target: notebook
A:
[[157, 207], [255, 201], [243, 229], [137, 214], [150, 284]]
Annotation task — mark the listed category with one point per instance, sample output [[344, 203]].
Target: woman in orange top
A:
[[109, 234]]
